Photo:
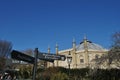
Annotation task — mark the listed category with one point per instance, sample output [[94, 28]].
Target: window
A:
[[81, 61], [96, 56], [69, 53]]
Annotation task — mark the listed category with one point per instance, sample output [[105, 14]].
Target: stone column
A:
[[74, 54], [86, 52], [48, 63]]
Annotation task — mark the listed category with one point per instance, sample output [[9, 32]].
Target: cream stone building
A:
[[82, 54]]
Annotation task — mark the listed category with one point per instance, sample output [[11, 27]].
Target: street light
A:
[[69, 60]]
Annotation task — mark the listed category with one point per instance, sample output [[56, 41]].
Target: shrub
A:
[[59, 76]]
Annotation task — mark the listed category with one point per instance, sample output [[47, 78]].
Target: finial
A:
[[85, 37], [48, 46], [73, 43], [48, 49], [56, 45], [73, 40], [56, 49]]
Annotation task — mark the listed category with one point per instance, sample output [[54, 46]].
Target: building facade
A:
[[82, 55]]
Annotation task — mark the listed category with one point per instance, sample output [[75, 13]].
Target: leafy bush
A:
[[59, 76]]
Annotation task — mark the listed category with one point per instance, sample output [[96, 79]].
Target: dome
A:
[[89, 45]]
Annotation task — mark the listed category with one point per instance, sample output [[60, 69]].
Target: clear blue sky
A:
[[39, 23]]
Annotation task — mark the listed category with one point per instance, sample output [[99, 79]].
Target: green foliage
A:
[[25, 72], [59, 76], [51, 73], [108, 74], [59, 73], [79, 73]]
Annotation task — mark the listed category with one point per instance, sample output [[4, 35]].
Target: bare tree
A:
[[2, 63], [5, 49], [114, 53], [113, 56], [116, 39]]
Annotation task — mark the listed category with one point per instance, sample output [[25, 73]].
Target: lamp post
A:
[[69, 60]]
